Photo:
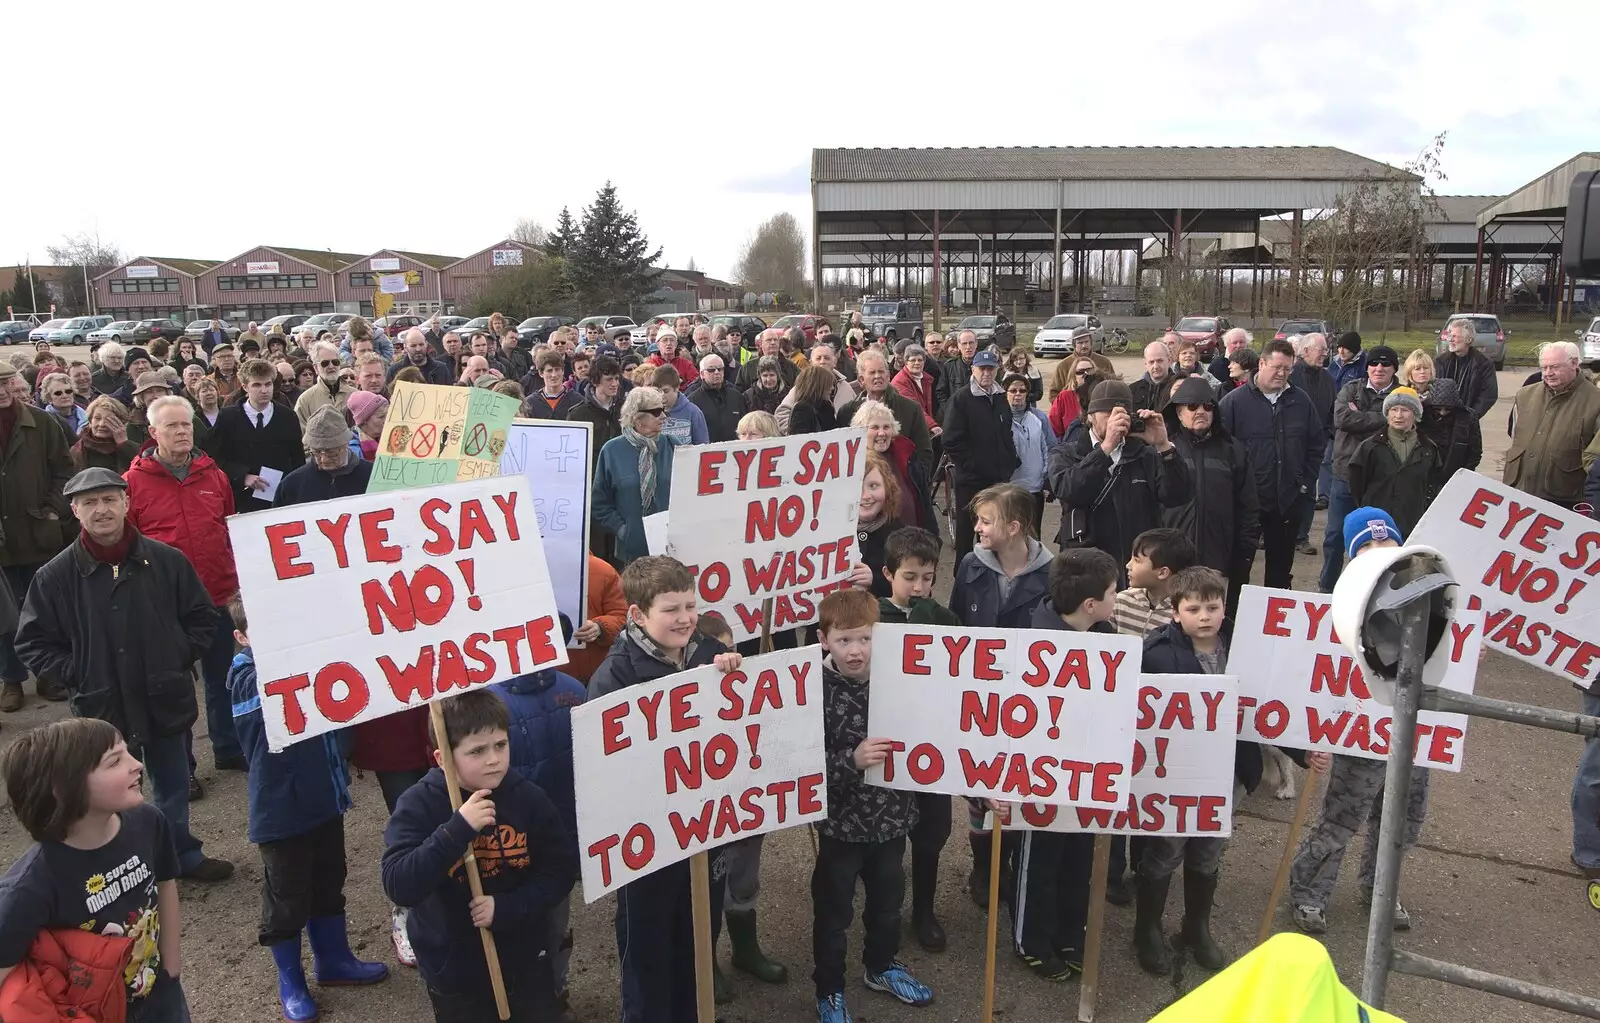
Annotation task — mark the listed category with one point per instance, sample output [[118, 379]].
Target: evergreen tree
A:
[[560, 241], [20, 297], [610, 267]]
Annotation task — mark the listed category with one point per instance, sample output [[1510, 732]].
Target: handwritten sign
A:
[[695, 760], [438, 434], [1182, 782], [554, 457], [363, 606], [1530, 565], [773, 518], [393, 284], [1300, 687], [1014, 714]]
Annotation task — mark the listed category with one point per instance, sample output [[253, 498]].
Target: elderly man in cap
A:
[[1357, 415], [1114, 479], [119, 618], [332, 387], [35, 462], [978, 440], [334, 468]]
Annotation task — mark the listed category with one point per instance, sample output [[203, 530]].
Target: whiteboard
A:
[[556, 457]]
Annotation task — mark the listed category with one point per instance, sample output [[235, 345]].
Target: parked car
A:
[[197, 329], [747, 325], [805, 321], [14, 332], [893, 318], [997, 330], [117, 330], [287, 323], [1289, 328], [1588, 343], [536, 330], [448, 323], [161, 327], [612, 325], [1489, 337], [1205, 331], [394, 326], [1056, 336], [74, 331], [42, 331], [326, 325]]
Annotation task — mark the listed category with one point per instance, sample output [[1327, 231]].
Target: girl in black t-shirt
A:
[[102, 863]]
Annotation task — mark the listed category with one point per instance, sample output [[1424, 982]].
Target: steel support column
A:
[[1055, 263], [938, 279]]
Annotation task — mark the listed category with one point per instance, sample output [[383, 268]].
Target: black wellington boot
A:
[[1198, 892], [1150, 901]]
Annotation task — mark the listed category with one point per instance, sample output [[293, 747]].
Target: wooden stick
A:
[[766, 626], [448, 765], [700, 898], [1089, 990], [1290, 844], [994, 919]]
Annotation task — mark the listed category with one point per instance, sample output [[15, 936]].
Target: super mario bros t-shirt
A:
[[110, 890]]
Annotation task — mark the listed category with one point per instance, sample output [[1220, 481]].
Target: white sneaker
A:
[[402, 943]]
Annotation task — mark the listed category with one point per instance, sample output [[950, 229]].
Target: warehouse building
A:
[[148, 288]]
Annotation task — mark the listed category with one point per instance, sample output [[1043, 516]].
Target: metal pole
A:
[[1477, 273], [1446, 701], [938, 281], [1396, 793], [1508, 987], [1055, 264]]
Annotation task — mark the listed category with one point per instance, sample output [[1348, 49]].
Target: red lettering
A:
[[611, 738], [911, 652], [925, 764], [639, 847], [334, 530], [601, 850], [1278, 615], [507, 503], [710, 468], [375, 537], [283, 550], [540, 647], [340, 709], [679, 718], [474, 524], [1481, 502], [288, 690], [980, 712], [412, 683], [808, 798], [983, 658]]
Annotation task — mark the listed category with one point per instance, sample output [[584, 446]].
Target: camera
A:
[[1580, 248]]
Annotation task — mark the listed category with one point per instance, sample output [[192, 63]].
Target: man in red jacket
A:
[[667, 355], [179, 496]]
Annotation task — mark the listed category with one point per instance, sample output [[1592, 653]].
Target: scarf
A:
[[92, 442], [642, 640], [114, 554], [646, 446]]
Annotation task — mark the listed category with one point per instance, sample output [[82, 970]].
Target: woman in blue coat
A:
[[633, 477]]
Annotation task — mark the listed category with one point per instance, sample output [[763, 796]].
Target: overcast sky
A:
[[435, 126]]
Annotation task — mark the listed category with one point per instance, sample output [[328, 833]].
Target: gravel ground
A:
[[1490, 886]]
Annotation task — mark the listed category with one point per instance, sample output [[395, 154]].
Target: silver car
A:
[[1055, 337], [76, 330], [112, 331], [1589, 342], [1489, 337]]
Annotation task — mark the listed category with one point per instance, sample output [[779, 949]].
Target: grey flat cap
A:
[[97, 478]]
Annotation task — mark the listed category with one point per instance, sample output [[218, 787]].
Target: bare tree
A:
[[774, 258], [530, 232], [90, 256]]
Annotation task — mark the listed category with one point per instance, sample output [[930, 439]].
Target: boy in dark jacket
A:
[[655, 921], [298, 798], [525, 858], [1398, 469], [550, 399], [1050, 901], [864, 836], [540, 731], [910, 561]]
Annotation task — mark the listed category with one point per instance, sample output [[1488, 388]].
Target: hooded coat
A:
[[1118, 501], [984, 598], [1452, 426], [1222, 516]]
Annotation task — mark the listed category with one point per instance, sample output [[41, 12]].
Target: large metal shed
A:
[[928, 212], [1536, 212]]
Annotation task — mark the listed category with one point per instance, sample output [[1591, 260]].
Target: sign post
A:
[[1089, 990], [992, 925], [1286, 858]]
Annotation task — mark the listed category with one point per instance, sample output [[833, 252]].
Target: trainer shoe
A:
[[401, 940], [1311, 919], [1402, 919], [832, 1009], [1073, 957], [1051, 967], [898, 981], [210, 871]]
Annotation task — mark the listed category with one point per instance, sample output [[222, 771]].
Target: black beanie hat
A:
[[1349, 340]]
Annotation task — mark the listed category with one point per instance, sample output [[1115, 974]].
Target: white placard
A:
[[555, 457], [363, 606], [265, 267], [507, 257], [1015, 714], [1300, 687], [393, 284], [693, 761], [144, 270], [771, 518], [1182, 783], [381, 264], [1530, 565]]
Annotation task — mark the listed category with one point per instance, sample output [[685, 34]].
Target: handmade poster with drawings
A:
[[556, 457], [437, 434]]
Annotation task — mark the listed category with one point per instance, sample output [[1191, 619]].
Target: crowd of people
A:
[[119, 586]]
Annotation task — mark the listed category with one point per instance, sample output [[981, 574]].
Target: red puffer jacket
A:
[[921, 393], [190, 515], [70, 976]]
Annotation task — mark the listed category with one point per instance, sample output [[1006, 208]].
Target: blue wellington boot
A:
[[298, 1005], [335, 963]]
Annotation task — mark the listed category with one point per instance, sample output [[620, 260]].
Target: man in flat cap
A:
[[119, 618]]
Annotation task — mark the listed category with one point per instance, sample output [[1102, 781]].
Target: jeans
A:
[[214, 664], [655, 942], [164, 1004], [963, 495], [1277, 543], [558, 940], [1340, 503], [880, 866], [11, 667], [744, 874], [166, 764], [1586, 797], [1325, 475], [301, 877]]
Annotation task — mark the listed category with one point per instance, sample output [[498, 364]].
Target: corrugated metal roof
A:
[[1047, 163], [1548, 191], [319, 257], [189, 267], [1461, 209], [427, 259]]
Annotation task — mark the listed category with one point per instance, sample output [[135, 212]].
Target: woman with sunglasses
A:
[[60, 404], [1068, 407], [1019, 362], [633, 475]]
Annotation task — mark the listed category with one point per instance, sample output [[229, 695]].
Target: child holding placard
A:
[[655, 919], [864, 836], [1355, 788]]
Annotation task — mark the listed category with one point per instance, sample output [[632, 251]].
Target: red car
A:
[[1205, 331], [395, 325], [805, 322]]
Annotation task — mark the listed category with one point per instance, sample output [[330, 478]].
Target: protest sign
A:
[[1528, 564], [367, 605], [438, 434], [773, 518], [692, 761], [393, 284], [1182, 781], [1014, 714], [554, 455], [1300, 687]]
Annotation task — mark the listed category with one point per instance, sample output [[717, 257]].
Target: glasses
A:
[[1196, 407], [59, 394], [325, 363], [657, 411], [1082, 372]]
